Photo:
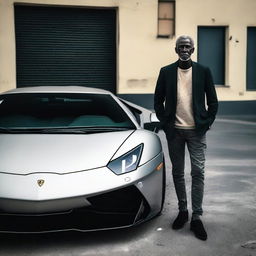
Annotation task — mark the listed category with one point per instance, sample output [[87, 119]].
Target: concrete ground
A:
[[229, 204]]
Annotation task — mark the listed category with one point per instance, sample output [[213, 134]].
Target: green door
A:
[[211, 51], [251, 57]]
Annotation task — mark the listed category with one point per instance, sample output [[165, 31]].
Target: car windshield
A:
[[64, 111]]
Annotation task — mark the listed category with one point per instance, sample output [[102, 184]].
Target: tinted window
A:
[[44, 110]]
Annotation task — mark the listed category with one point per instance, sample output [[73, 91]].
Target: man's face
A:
[[184, 49]]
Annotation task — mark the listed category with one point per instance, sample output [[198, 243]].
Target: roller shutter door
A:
[[65, 46]]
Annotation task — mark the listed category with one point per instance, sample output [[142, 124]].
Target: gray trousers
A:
[[196, 145]]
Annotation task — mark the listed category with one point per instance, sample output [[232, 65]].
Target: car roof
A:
[[57, 89]]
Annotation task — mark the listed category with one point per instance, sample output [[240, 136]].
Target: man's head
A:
[[184, 47]]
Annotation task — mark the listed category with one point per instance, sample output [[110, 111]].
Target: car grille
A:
[[116, 209]]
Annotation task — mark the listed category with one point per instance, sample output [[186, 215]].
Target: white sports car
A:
[[76, 158]]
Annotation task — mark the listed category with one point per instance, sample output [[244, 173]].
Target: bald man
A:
[[186, 104]]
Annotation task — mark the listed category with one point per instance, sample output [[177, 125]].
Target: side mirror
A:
[[153, 118], [154, 124]]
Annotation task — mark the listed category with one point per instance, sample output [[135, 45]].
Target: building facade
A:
[[120, 45]]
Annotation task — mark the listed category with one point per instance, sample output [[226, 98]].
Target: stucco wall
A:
[[140, 53], [7, 47], [237, 15]]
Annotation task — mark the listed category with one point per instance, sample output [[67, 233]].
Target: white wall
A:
[[237, 15], [140, 53], [7, 47]]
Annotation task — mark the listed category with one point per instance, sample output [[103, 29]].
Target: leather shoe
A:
[[180, 221], [198, 228]]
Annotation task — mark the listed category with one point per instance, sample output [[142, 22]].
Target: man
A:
[[182, 92]]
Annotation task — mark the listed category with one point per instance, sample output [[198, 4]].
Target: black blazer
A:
[[165, 99]]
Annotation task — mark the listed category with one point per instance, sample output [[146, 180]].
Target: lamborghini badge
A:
[[40, 183]]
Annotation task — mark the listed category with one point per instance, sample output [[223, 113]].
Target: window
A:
[[212, 51], [251, 56], [166, 18], [65, 110]]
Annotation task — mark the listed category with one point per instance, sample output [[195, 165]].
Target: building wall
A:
[[140, 53], [237, 15]]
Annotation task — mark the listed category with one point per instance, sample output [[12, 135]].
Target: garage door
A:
[[65, 46]]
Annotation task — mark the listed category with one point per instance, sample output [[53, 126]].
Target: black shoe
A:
[[198, 228], [180, 221]]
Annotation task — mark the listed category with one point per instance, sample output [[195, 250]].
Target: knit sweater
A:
[[184, 110]]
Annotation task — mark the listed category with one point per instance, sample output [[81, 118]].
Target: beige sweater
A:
[[184, 111]]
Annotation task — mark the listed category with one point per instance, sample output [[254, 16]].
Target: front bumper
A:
[[95, 203], [117, 209]]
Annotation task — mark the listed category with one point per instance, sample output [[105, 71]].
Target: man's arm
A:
[[159, 97], [211, 96]]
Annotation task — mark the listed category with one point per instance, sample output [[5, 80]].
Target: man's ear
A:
[[176, 50], [192, 50]]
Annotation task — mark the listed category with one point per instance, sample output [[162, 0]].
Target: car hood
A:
[[58, 153]]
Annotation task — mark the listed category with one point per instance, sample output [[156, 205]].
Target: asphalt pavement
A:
[[229, 209]]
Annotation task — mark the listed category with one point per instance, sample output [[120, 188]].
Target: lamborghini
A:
[[77, 158]]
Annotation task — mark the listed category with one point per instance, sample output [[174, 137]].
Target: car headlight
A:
[[127, 162]]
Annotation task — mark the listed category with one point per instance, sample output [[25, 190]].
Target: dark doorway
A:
[[211, 51]]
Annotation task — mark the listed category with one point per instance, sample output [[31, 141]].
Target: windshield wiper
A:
[[85, 130], [19, 130], [41, 130], [107, 128], [5, 130], [64, 130]]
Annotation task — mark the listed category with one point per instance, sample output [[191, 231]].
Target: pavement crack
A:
[[249, 245]]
